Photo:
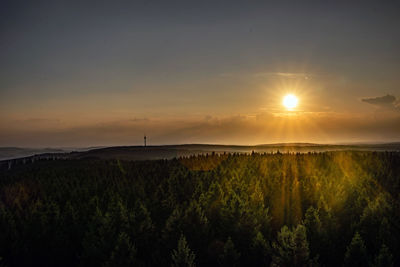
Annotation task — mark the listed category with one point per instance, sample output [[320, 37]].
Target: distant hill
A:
[[16, 152], [172, 151]]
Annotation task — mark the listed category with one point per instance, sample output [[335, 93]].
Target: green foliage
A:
[[284, 209], [231, 256], [260, 250], [356, 254], [291, 248], [183, 256], [313, 226]]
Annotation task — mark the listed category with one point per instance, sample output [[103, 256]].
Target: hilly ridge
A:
[[173, 151]]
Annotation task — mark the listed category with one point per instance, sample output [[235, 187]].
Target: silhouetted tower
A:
[[144, 140]]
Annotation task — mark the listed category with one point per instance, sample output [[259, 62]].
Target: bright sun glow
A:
[[290, 101]]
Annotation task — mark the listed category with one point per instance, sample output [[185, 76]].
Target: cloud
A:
[[237, 129], [288, 75], [292, 75], [382, 101]]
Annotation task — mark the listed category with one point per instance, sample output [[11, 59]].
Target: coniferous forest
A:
[[310, 209]]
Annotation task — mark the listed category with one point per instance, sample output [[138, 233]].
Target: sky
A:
[[102, 73]]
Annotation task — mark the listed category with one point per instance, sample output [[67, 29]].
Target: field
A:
[[260, 209]]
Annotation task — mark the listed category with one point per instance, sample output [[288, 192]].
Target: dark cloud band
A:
[[386, 100]]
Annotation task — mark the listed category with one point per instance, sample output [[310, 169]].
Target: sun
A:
[[290, 101]]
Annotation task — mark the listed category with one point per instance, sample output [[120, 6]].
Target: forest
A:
[[270, 209]]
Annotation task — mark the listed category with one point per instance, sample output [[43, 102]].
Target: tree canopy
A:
[[331, 209]]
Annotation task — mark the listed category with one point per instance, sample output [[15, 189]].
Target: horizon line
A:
[[210, 144]]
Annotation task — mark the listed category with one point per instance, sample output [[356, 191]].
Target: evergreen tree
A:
[[356, 254], [183, 256], [195, 226], [173, 228], [99, 239], [291, 248], [141, 219], [118, 214], [313, 226], [231, 256], [301, 249], [124, 252], [260, 250], [384, 258], [385, 235]]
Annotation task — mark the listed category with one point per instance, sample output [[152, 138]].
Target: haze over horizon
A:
[[104, 73]]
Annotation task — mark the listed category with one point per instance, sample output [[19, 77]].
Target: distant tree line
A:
[[313, 209]]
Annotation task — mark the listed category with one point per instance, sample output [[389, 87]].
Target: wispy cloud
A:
[[291, 75]]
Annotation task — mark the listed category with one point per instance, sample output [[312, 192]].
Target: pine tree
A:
[[313, 226], [291, 248], [124, 252], [118, 214], [260, 250], [231, 256], [92, 242], [312, 223], [356, 254], [99, 239], [195, 225], [141, 219], [385, 235], [183, 256], [173, 227], [384, 258], [301, 249]]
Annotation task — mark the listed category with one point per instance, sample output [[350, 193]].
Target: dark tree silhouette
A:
[[356, 254], [183, 256]]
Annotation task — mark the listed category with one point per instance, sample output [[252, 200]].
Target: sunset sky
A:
[[78, 74]]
